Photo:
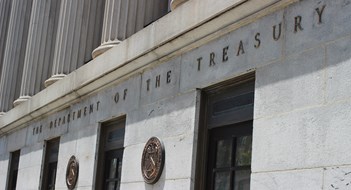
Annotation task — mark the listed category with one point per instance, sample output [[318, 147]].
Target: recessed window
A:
[[225, 154], [13, 170], [50, 164], [110, 155]]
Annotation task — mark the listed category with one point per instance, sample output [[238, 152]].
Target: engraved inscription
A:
[[240, 47], [158, 80]]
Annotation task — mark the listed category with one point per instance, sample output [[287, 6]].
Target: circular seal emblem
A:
[[72, 173], [153, 160]]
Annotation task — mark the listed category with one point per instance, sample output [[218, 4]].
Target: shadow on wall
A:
[[301, 55]]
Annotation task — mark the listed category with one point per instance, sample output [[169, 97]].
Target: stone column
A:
[[176, 3], [79, 32], [40, 47], [124, 18], [5, 9], [14, 53], [115, 23]]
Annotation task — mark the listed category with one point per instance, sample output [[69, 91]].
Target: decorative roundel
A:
[[153, 160], [72, 173]]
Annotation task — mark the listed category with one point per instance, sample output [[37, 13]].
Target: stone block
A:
[[295, 83], [16, 140], [4, 170], [308, 138], [244, 49], [335, 23], [82, 145], [166, 118], [178, 160], [176, 184], [86, 148], [120, 99], [52, 126], [179, 157], [131, 164], [311, 179], [31, 156], [3, 181], [28, 178], [4, 163], [337, 178], [160, 82], [338, 70], [3, 145], [33, 134], [68, 147]]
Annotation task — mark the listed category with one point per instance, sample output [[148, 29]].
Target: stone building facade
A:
[[242, 94]]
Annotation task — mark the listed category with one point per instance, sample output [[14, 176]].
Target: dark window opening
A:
[[50, 164], [225, 136], [13, 171], [110, 155]]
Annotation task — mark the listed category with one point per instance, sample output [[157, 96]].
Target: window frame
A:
[[48, 161], [204, 128], [14, 160], [104, 149]]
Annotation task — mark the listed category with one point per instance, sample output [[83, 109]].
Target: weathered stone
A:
[[288, 180], [333, 23], [338, 177], [307, 138], [296, 83], [338, 82]]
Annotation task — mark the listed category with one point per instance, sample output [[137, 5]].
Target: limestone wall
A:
[[301, 59]]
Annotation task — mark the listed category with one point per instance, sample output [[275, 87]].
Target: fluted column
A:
[[114, 25], [176, 3], [5, 9], [14, 53], [79, 32], [40, 47], [123, 18]]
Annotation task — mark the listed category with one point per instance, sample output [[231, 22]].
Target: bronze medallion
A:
[[72, 172], [153, 160]]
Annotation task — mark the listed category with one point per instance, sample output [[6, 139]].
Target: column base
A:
[[2, 113], [53, 79], [103, 48], [20, 100], [176, 3]]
